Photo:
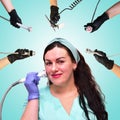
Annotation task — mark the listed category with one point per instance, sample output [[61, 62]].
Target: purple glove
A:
[[31, 82]]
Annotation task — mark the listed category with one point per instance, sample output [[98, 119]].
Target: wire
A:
[[73, 5], [4, 96], [29, 29], [4, 18], [41, 74], [95, 11]]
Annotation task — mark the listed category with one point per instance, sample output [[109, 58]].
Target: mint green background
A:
[[32, 13]]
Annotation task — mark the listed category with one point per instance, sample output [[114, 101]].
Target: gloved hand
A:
[[54, 15], [91, 27], [14, 18], [22, 53], [31, 82], [104, 60]]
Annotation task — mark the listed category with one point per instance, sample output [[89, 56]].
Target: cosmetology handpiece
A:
[[73, 5], [29, 29], [29, 53], [92, 52], [41, 74], [53, 25]]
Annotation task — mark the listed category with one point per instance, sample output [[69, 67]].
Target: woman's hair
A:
[[90, 95]]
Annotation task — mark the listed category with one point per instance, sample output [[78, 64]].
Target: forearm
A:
[[31, 110], [116, 70], [8, 5], [114, 10], [53, 2], [4, 62]]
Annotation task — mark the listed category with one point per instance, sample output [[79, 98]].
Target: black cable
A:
[[95, 10], [73, 5]]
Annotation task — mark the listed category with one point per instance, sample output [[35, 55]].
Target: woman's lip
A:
[[56, 75]]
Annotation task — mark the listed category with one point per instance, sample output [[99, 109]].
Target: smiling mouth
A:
[[56, 75]]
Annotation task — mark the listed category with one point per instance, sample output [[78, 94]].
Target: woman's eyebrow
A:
[[60, 58], [56, 59]]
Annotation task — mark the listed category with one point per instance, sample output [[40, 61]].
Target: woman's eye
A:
[[61, 61], [48, 63]]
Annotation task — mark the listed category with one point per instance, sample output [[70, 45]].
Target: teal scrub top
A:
[[52, 109]]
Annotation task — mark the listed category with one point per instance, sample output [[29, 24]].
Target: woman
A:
[[72, 89]]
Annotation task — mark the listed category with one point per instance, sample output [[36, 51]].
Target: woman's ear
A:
[[74, 66]]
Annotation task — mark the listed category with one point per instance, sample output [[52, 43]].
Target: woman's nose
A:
[[54, 67]]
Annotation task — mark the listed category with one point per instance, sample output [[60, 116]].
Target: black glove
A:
[[54, 15], [104, 60], [14, 18], [98, 22], [21, 54]]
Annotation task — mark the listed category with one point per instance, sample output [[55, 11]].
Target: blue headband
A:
[[69, 46]]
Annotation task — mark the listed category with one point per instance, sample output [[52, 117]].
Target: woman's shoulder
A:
[[44, 91]]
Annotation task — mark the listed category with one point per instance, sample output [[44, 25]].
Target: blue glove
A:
[[31, 82]]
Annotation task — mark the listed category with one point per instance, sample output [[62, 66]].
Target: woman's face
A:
[[59, 66]]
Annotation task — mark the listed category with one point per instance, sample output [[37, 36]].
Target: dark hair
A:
[[89, 91]]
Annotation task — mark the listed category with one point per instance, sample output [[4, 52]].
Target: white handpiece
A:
[[30, 53], [29, 29], [41, 74], [25, 27], [92, 52]]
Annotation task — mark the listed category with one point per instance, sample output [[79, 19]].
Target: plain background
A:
[[32, 13]]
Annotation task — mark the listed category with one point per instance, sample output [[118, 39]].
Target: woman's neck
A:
[[64, 91]]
